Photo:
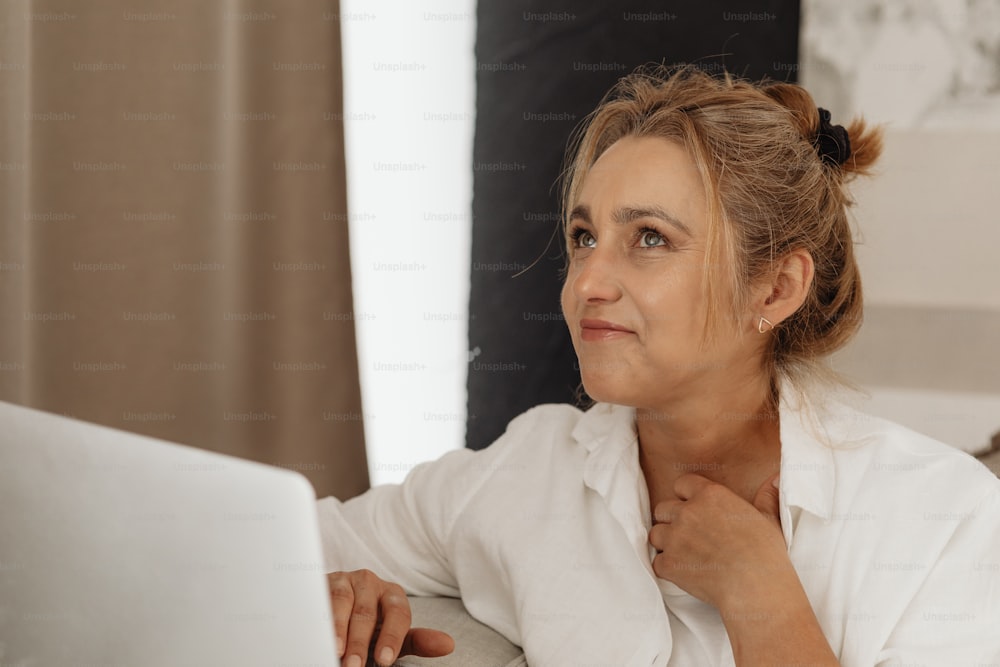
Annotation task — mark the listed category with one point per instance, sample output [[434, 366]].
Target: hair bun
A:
[[832, 142], [861, 143]]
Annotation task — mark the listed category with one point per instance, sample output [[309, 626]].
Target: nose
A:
[[595, 278]]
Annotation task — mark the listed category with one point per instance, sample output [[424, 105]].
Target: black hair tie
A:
[[832, 142]]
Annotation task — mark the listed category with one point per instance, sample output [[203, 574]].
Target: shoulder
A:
[[909, 541], [566, 423], [555, 417], [538, 430], [562, 437], [898, 467]]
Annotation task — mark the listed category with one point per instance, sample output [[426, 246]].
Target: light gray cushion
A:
[[475, 643]]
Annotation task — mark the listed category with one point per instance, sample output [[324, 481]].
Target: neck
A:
[[730, 436]]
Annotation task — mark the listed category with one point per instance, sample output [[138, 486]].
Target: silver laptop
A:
[[118, 549]]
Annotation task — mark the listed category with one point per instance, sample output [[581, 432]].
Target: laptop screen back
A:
[[117, 549]]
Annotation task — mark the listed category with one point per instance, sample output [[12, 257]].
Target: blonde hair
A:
[[767, 190]]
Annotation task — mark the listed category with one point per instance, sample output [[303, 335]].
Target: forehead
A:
[[642, 171]]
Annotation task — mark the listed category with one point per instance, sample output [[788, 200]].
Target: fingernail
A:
[[340, 646], [385, 657], [775, 482], [353, 661]]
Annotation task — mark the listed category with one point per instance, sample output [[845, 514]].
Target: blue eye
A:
[[649, 238], [582, 238]]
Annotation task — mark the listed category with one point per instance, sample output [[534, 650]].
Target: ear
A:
[[785, 288]]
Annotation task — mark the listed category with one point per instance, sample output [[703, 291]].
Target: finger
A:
[[689, 484], [396, 619], [362, 619], [663, 567], [427, 643], [342, 601], [766, 498], [667, 510], [658, 536]]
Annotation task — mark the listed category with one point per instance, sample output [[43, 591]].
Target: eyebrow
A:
[[628, 214]]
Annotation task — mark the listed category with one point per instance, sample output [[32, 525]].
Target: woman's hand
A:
[[732, 555], [361, 602], [717, 546]]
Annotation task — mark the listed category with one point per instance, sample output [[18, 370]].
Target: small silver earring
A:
[[764, 322]]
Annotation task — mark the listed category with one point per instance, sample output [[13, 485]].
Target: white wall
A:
[[409, 76]]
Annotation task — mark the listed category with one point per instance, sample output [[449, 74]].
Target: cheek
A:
[[673, 305], [567, 299], [568, 303]]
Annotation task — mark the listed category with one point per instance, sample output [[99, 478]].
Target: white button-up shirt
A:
[[544, 536]]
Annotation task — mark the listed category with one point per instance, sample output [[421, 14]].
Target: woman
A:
[[716, 506]]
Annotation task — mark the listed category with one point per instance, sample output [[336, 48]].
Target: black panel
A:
[[541, 67]]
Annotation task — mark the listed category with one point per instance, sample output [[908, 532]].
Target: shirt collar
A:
[[607, 432], [611, 468], [807, 465]]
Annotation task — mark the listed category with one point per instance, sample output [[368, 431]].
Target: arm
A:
[[401, 531], [775, 625], [397, 540], [382, 545], [405, 533]]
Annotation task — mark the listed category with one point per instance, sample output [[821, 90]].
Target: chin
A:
[[607, 379], [609, 389]]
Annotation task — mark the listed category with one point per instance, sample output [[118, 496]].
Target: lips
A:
[[600, 330]]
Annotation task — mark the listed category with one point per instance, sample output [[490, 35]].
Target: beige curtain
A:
[[174, 251]]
